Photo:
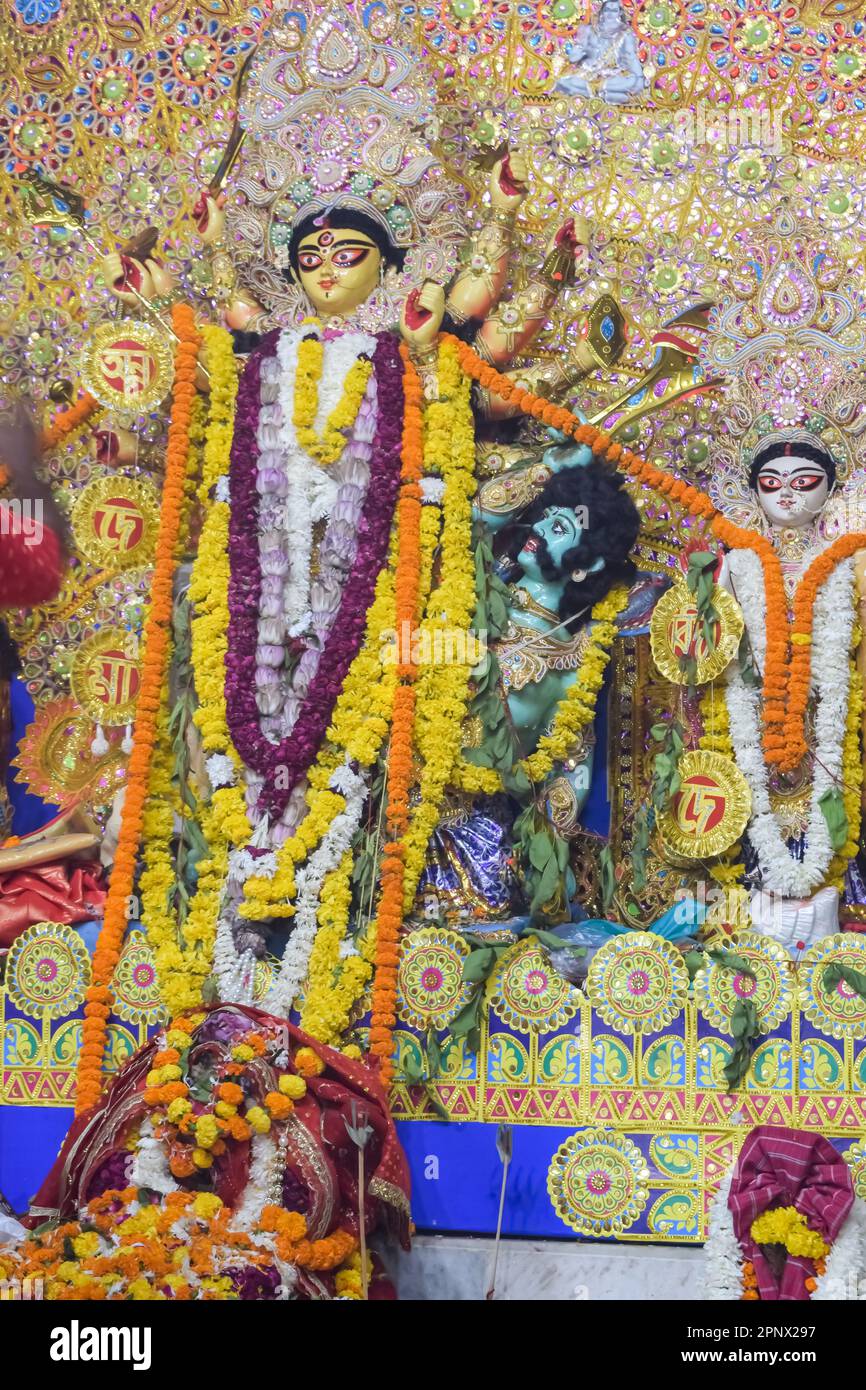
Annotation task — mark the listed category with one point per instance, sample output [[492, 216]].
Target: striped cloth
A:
[[788, 1168]]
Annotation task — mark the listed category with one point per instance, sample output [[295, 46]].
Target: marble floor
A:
[[459, 1268]]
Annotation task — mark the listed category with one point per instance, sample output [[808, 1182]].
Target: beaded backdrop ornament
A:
[[790, 342], [334, 111]]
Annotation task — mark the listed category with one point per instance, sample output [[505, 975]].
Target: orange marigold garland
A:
[[407, 582], [785, 685], [65, 421], [99, 997], [793, 740]]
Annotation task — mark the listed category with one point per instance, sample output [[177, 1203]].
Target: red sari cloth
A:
[[321, 1159], [780, 1167]]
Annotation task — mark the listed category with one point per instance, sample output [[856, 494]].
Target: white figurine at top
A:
[[606, 59]]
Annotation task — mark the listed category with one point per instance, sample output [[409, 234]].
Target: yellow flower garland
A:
[[728, 869], [575, 711], [787, 1226], [358, 729], [184, 960], [328, 447], [852, 779], [443, 683]]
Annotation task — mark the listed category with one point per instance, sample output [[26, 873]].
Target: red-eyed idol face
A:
[[339, 269], [792, 491]]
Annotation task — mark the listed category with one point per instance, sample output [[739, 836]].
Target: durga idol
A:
[[329, 261]]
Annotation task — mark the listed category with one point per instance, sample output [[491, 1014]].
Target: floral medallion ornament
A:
[[115, 520], [135, 986], [597, 1182], [528, 994], [677, 636], [711, 809], [718, 989], [637, 983], [127, 366], [47, 970], [839, 1011], [430, 985]]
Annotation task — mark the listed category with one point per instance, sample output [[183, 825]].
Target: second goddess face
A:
[[792, 491]]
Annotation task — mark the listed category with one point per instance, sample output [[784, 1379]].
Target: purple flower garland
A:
[[291, 759]]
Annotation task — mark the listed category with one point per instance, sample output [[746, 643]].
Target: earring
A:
[[578, 576]]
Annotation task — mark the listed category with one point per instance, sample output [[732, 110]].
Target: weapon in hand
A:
[[47, 204]]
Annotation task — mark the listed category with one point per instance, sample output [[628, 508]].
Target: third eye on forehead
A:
[[333, 240]]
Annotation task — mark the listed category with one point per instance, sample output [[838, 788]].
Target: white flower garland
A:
[[832, 625], [724, 1258], [326, 858], [299, 521], [310, 488], [263, 1154], [150, 1166]]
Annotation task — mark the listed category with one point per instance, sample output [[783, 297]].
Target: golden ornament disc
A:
[[115, 521], [711, 809], [106, 675], [127, 365], [676, 633], [55, 759]]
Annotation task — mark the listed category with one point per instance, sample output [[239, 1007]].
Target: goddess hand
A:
[[508, 182], [210, 217], [113, 447], [423, 312], [573, 237], [120, 272]]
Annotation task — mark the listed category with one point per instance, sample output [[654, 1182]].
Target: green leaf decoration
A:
[[693, 961], [639, 848], [836, 973], [729, 960], [468, 1021], [551, 940], [608, 876], [744, 1026], [478, 964], [746, 663], [833, 809]]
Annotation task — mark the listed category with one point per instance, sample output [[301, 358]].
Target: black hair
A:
[[342, 219], [612, 529], [815, 453]]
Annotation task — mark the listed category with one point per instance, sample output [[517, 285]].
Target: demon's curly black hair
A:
[[612, 525], [778, 450]]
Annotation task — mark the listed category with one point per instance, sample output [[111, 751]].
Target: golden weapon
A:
[[236, 138], [676, 368], [49, 204]]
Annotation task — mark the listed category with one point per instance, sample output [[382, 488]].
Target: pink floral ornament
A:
[[198, 61]]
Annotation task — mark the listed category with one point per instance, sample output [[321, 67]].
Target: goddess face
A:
[[792, 491], [338, 269]]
